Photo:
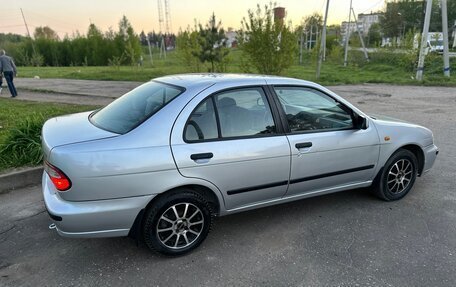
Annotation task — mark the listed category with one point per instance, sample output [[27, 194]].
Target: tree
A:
[[270, 46], [392, 21], [154, 38], [313, 24], [97, 54], [374, 35], [404, 16], [143, 38], [45, 33], [188, 47], [127, 42], [315, 21], [212, 42]]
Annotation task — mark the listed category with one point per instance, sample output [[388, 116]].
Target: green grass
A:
[[380, 70], [15, 117]]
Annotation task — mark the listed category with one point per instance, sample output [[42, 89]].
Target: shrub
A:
[[187, 47], [336, 54], [23, 144], [407, 61], [269, 46]]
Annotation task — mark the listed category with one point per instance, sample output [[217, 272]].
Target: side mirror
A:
[[360, 122]]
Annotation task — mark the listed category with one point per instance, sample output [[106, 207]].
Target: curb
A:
[[20, 179]]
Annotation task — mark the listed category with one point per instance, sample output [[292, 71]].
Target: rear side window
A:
[[244, 112], [133, 108], [236, 113], [202, 124]]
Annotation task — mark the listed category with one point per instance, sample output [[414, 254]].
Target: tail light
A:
[[58, 178]]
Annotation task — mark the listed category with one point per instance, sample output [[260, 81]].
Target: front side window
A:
[[238, 113], [311, 110], [130, 110]]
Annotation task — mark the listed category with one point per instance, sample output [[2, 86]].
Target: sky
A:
[[69, 16]]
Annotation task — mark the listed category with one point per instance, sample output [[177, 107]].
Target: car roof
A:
[[206, 79]]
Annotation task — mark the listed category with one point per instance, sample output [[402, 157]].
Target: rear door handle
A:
[[303, 145], [206, 155]]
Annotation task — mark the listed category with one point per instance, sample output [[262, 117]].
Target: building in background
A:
[[346, 28], [279, 14], [231, 38], [365, 21]]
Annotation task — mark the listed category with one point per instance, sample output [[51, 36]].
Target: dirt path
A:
[[110, 89], [59, 98], [103, 92]]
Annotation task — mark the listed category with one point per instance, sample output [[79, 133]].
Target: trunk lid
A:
[[70, 129]]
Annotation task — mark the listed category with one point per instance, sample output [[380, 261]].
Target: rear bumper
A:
[[99, 218], [430, 154]]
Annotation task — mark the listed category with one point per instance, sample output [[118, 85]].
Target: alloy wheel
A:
[[180, 225], [399, 176]]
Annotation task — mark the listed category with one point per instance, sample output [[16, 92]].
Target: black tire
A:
[[184, 229], [396, 179]]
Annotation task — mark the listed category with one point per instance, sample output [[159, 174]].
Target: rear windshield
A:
[[133, 108]]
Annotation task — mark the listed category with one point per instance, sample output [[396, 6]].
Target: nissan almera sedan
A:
[[163, 160]]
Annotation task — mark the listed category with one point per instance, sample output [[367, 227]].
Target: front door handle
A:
[[206, 155], [303, 145]]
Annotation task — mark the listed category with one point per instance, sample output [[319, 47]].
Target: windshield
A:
[[436, 43], [133, 108]]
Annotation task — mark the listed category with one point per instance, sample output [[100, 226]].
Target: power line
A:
[[380, 1], [8, 26], [322, 5], [59, 31], [28, 32], [323, 42], [52, 19]]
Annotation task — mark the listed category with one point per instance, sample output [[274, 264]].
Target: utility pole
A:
[[446, 58], [310, 42], [323, 41], [160, 16], [168, 18], [307, 39], [454, 34], [28, 32], [424, 35], [300, 45], [162, 34], [25, 22], [150, 51], [360, 36], [162, 47], [347, 35]]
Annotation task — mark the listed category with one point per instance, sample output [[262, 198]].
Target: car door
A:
[[328, 150], [231, 139]]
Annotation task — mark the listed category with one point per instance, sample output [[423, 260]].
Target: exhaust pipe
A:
[[52, 226]]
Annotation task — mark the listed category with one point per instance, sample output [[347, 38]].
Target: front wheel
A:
[[177, 223], [398, 176]]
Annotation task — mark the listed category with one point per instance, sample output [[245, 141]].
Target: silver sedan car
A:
[[163, 160]]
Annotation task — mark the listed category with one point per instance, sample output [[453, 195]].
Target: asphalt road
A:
[[344, 239]]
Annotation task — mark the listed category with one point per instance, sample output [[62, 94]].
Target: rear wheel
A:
[[397, 177], [177, 223]]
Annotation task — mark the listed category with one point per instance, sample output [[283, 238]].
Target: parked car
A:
[[163, 160]]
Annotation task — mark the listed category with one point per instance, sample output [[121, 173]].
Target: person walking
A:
[[9, 70]]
